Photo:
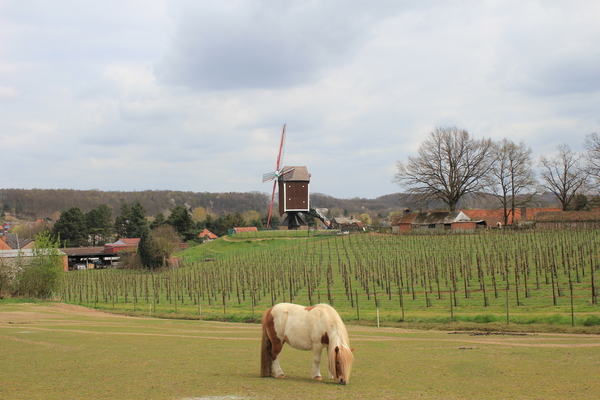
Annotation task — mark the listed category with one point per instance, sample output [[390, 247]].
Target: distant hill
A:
[[31, 204]]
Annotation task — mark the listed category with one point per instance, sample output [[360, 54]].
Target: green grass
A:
[[245, 241], [49, 352]]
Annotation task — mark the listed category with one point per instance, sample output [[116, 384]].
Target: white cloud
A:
[[192, 95]]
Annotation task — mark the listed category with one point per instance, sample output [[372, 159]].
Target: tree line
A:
[[451, 166]]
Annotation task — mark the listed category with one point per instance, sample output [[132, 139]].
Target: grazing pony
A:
[[306, 328]]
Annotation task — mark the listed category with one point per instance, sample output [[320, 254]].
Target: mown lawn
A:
[[59, 351]]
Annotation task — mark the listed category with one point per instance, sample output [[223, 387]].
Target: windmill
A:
[[275, 175], [293, 192]]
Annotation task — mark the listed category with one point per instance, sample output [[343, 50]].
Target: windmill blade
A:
[[269, 176], [287, 171], [275, 174], [271, 205], [281, 145]]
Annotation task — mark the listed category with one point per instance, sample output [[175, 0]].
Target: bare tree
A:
[[449, 166], [513, 177], [592, 145], [564, 175]]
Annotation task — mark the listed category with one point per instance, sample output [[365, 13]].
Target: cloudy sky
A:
[[192, 95]]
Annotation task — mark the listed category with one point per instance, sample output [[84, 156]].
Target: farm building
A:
[[129, 245], [207, 235], [495, 217], [15, 258], [348, 223], [10, 241], [568, 219], [438, 220]]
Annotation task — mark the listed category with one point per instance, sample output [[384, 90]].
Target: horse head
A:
[[343, 364]]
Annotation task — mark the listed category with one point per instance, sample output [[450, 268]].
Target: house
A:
[[437, 220], [244, 229], [568, 219], [11, 241], [15, 258], [348, 223], [129, 245], [207, 235]]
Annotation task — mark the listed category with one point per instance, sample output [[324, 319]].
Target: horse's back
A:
[[302, 327]]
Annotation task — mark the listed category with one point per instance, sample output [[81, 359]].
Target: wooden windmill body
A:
[[294, 193]]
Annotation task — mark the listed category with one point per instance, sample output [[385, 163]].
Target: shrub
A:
[[592, 320], [40, 278]]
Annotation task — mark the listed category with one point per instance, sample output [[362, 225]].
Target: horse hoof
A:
[[318, 378], [281, 376]]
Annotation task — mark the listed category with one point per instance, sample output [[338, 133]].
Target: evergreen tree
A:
[[99, 224], [159, 219], [183, 222], [71, 228], [149, 257], [132, 222], [180, 219]]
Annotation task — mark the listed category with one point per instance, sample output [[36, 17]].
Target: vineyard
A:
[[513, 277]]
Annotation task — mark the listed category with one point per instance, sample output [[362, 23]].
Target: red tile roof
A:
[[208, 233], [493, 216]]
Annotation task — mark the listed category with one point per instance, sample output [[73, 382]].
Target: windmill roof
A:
[[299, 173]]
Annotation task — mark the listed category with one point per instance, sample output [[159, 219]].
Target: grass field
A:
[[62, 351]]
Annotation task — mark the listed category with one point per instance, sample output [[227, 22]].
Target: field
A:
[[58, 351], [493, 280]]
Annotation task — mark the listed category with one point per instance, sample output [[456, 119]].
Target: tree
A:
[[71, 228], [99, 224], [156, 246], [41, 278], [159, 219], [181, 220], [564, 175], [366, 219], [450, 164], [165, 241], [146, 252], [199, 214], [592, 155], [513, 176], [132, 222]]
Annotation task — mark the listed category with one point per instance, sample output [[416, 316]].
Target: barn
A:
[[434, 220]]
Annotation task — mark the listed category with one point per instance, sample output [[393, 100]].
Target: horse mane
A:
[[339, 350], [340, 354]]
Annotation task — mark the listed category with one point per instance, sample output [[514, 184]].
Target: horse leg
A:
[[277, 371], [316, 369]]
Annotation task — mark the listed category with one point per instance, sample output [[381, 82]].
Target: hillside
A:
[[31, 204]]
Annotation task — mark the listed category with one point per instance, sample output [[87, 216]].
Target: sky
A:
[[193, 95]]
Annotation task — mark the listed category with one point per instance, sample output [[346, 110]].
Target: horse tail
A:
[[266, 360]]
